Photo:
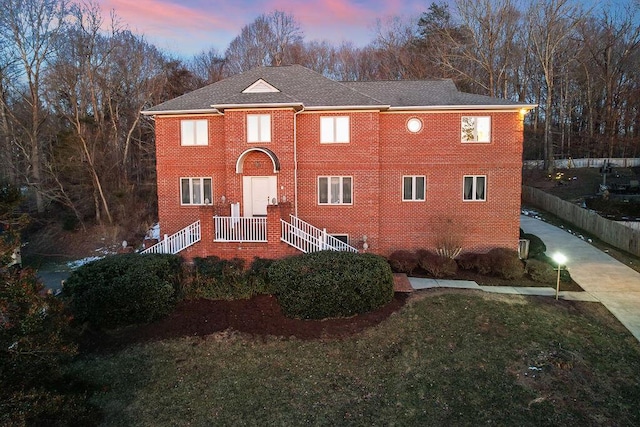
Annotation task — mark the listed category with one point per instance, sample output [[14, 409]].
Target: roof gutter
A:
[[512, 107], [180, 112], [347, 107], [295, 105]]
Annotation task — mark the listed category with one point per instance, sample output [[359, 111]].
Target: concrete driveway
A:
[[612, 283]]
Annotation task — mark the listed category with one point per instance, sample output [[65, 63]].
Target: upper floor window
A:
[[258, 128], [476, 129], [334, 129], [195, 191], [335, 190], [413, 188], [475, 188], [194, 132]]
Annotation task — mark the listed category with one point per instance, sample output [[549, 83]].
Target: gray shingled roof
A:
[[301, 86], [423, 93]]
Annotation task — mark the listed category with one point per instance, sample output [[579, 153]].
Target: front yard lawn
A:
[[446, 358]]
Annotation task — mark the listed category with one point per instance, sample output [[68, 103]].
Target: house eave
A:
[[179, 112], [466, 107], [294, 105], [346, 107]]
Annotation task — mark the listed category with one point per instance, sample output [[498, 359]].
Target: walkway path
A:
[[611, 282], [603, 278]]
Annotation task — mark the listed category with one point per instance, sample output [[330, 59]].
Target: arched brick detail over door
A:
[[270, 154]]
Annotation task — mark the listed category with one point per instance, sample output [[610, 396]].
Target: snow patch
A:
[[84, 261]]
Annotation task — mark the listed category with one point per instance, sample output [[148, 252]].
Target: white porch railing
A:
[[307, 238], [240, 229], [177, 242]]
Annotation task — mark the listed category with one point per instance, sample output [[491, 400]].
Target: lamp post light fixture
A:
[[561, 260]]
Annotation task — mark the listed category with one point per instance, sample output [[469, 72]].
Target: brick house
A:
[[279, 160]]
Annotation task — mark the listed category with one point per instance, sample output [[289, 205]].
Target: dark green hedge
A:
[[331, 284], [536, 245], [216, 278], [124, 289]]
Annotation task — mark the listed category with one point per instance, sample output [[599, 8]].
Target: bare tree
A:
[[98, 87], [551, 25], [488, 50], [208, 66], [394, 42], [31, 29], [266, 41], [611, 56], [319, 56]]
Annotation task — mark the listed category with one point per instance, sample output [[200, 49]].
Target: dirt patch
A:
[[52, 242], [258, 316]]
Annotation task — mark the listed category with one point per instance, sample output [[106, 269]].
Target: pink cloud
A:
[[189, 26], [164, 17]]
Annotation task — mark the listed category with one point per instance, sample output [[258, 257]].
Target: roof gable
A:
[[260, 86]]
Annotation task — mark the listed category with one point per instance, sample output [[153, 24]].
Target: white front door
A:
[[259, 191]]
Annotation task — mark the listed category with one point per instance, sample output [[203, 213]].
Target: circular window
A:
[[414, 125]]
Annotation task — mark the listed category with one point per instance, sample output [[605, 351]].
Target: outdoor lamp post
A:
[[561, 260]]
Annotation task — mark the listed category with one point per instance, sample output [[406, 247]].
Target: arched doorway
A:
[[259, 167]]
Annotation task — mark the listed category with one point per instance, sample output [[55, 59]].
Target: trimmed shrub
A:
[[467, 261], [331, 284], [540, 271], [124, 289], [403, 261], [216, 278], [536, 245], [505, 263], [436, 265], [478, 262], [258, 276]]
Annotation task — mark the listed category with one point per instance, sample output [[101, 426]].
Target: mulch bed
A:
[[258, 316]]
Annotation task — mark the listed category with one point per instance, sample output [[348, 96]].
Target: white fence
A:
[[584, 163], [240, 229]]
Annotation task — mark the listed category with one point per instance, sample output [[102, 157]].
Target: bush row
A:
[[216, 278], [127, 289], [331, 284], [500, 262]]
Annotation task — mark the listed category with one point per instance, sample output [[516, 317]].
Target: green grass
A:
[[447, 358]]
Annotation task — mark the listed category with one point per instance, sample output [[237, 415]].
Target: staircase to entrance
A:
[[188, 236], [308, 238]]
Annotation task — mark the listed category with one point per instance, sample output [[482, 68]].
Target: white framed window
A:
[[194, 132], [475, 129], [258, 128], [413, 188], [335, 190], [195, 191], [334, 129], [475, 188]]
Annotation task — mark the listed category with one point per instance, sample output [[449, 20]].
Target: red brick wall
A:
[[379, 153], [437, 153]]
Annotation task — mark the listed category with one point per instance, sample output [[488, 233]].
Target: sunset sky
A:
[[186, 27]]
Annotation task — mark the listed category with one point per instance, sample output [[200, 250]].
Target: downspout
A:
[[295, 161]]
